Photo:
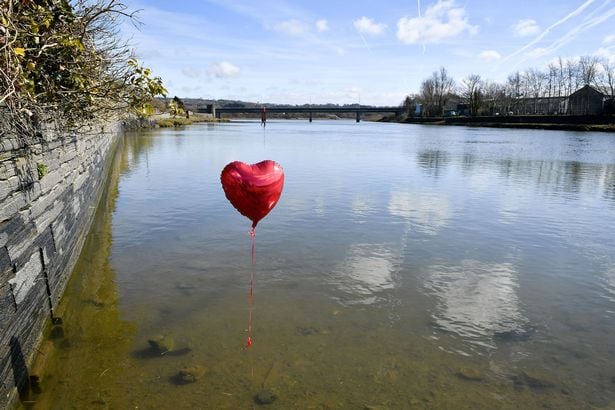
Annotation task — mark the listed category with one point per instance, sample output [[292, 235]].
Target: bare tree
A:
[[608, 76], [409, 105], [513, 90], [536, 81], [560, 76], [571, 76], [471, 92], [428, 96], [444, 86], [588, 67], [494, 97]]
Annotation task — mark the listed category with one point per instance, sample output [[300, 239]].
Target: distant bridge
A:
[[359, 110]]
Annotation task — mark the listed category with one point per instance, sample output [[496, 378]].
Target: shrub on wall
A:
[[67, 58]]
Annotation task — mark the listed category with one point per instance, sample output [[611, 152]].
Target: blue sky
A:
[[372, 52]]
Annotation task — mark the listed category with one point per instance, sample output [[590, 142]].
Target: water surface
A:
[[404, 266]]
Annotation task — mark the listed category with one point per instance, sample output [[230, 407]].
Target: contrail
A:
[[418, 4], [572, 34], [364, 42], [548, 29]]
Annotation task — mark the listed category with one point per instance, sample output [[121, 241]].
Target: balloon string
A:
[[249, 342]]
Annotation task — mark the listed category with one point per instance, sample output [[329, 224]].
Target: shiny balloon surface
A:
[[253, 189]]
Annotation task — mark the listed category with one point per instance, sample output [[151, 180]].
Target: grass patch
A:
[[173, 122], [42, 170], [182, 121]]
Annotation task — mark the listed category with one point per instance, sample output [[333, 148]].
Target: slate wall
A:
[[48, 195]]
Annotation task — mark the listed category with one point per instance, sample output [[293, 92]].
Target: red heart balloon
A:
[[253, 189]]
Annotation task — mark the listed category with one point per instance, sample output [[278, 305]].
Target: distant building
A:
[[539, 105], [586, 101], [418, 110]]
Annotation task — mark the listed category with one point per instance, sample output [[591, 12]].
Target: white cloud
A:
[[609, 39], [525, 28], [427, 212], [223, 69], [292, 27], [476, 298], [322, 25], [607, 53], [369, 26], [441, 21], [191, 72], [490, 55]]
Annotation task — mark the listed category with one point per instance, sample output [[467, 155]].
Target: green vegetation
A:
[[42, 170], [173, 122], [181, 121], [176, 107], [65, 61]]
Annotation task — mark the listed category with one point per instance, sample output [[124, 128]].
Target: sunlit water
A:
[[404, 266]]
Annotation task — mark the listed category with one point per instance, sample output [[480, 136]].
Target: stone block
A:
[[12, 205], [7, 306], [5, 189], [58, 229], [45, 202], [51, 180], [7, 168], [45, 219], [25, 277], [6, 266], [21, 234]]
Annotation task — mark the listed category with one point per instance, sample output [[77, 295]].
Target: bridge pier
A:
[[358, 116]]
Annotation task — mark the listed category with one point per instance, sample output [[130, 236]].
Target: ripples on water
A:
[[404, 266]]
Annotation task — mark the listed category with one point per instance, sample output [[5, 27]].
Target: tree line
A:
[[520, 94]]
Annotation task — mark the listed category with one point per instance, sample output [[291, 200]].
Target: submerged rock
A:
[[161, 344], [190, 374], [185, 288], [57, 332], [35, 384], [264, 397], [467, 373], [306, 330], [533, 380], [515, 335]]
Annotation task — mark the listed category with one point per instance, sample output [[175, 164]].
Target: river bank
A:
[[168, 121], [603, 123]]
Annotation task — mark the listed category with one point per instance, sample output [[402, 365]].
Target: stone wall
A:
[[48, 194]]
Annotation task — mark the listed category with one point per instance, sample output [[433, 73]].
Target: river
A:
[[404, 266]]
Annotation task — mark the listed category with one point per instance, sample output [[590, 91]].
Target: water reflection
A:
[[361, 208], [429, 212], [609, 277], [550, 176], [477, 300], [135, 146], [433, 161], [93, 337], [367, 270]]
